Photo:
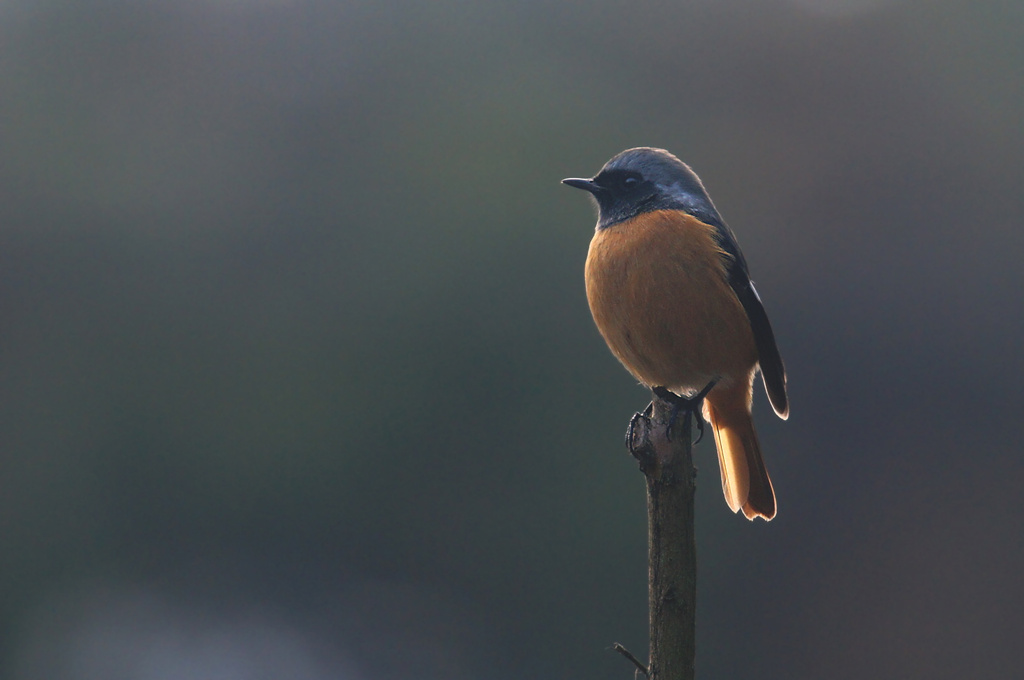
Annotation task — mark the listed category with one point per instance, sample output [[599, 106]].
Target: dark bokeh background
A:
[[297, 377]]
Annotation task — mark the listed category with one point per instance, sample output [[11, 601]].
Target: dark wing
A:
[[773, 372]]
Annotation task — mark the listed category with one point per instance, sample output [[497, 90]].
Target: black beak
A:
[[585, 184]]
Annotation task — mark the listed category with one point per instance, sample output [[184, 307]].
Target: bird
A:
[[670, 292]]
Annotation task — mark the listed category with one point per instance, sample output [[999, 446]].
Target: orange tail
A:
[[745, 482]]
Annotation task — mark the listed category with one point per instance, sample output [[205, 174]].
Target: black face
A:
[[623, 194], [620, 194], [645, 179]]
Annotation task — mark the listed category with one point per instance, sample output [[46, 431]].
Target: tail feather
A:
[[745, 481]]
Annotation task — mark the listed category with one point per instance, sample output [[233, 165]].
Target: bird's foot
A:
[[684, 404]]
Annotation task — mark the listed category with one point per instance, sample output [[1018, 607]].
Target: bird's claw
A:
[[679, 404]]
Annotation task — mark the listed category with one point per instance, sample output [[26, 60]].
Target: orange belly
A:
[[659, 292]]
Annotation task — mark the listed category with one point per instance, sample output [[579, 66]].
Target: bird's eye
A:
[[630, 182]]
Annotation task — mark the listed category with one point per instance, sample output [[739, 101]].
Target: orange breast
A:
[[659, 293]]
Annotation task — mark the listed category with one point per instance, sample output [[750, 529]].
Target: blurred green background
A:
[[298, 378]]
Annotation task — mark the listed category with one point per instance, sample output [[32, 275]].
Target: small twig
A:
[[629, 655]]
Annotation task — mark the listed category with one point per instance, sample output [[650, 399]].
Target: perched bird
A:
[[670, 292]]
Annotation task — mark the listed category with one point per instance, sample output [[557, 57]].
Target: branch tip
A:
[[629, 655]]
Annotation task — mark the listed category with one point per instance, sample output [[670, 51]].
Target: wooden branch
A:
[[666, 460], [640, 668]]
